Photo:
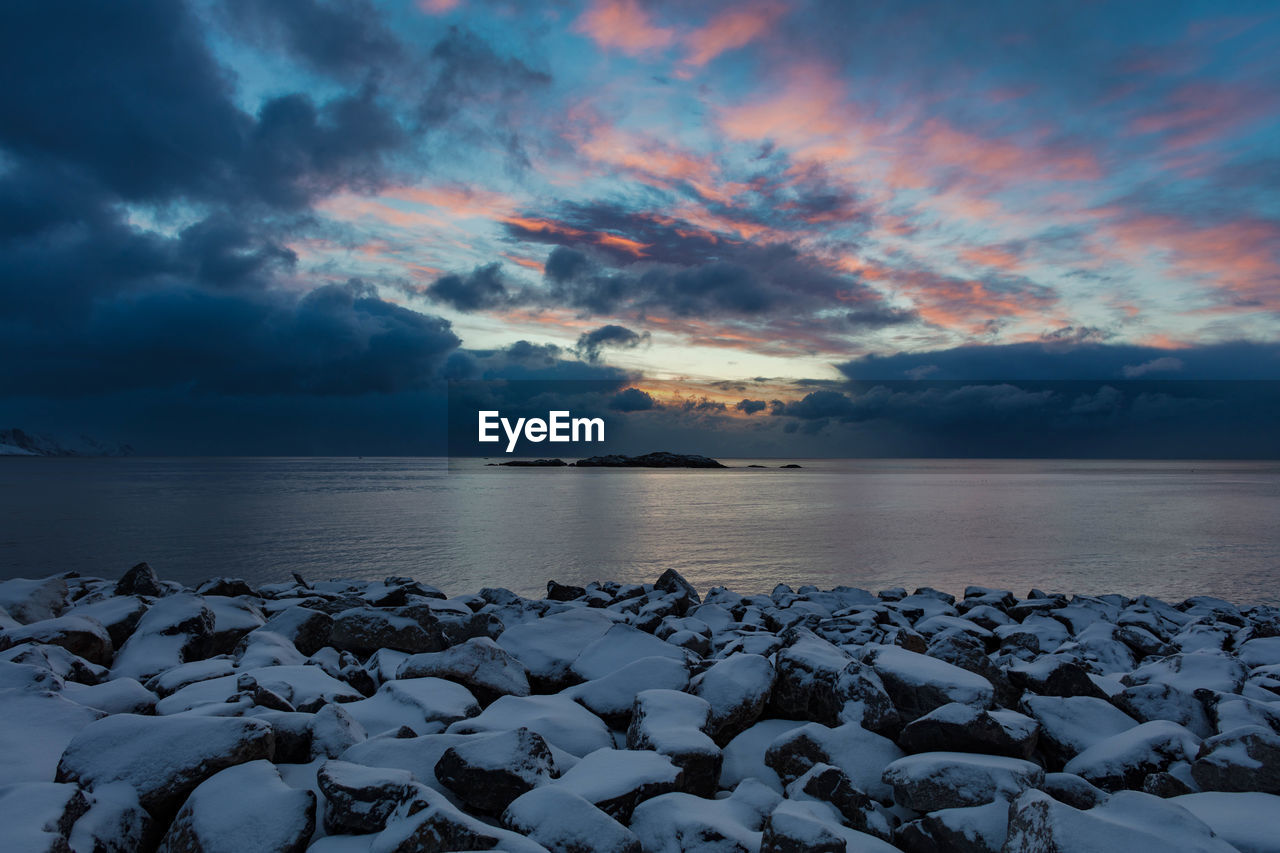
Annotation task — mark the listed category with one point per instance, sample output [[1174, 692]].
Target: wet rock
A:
[[562, 592]]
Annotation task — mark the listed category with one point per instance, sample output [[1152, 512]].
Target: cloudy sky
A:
[[291, 222]]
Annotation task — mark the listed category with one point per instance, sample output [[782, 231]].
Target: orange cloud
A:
[[991, 256], [730, 30], [624, 25]]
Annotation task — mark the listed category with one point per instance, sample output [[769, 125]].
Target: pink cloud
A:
[[623, 25]]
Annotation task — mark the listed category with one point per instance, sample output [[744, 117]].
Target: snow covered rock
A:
[[549, 646], [564, 822], [831, 785], [174, 630], [425, 705], [617, 780], [1124, 760], [1054, 675], [619, 646], [1156, 701], [675, 724], [333, 732], [1127, 821], [140, 580], [744, 756], [359, 799], [1073, 790], [307, 629], [1206, 669], [364, 630], [931, 781], [37, 726], [562, 722], [676, 823], [479, 664], [164, 758], [430, 822], [1250, 822], [118, 696], [30, 601], [919, 684], [973, 829], [119, 615], [1245, 759], [115, 822], [1070, 725], [613, 696], [77, 634], [242, 809], [817, 680], [38, 816], [861, 754], [962, 728], [738, 689], [487, 773]]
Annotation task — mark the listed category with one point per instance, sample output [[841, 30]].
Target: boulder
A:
[[174, 630], [140, 580], [364, 630], [974, 829], [430, 822], [919, 684], [861, 754], [479, 664], [549, 646], [1124, 760], [737, 688], [675, 724], [931, 781], [612, 697], [674, 823], [242, 808], [164, 758], [617, 780], [77, 634], [831, 785], [619, 646], [38, 816], [1128, 820], [360, 799], [1068, 726], [115, 822], [962, 728], [487, 773], [561, 722], [307, 629], [1245, 759], [1250, 821], [564, 822]]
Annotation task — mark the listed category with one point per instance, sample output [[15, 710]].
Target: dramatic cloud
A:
[[591, 344]]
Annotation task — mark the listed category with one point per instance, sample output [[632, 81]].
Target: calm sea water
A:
[[1172, 529]]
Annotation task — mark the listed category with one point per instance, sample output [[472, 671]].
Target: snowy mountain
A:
[[16, 442]]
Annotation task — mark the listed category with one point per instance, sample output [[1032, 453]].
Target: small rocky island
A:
[[140, 714], [660, 459]]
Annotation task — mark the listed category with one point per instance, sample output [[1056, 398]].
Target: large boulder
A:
[[562, 722], [946, 780], [1128, 820], [1246, 759], [919, 684], [1124, 760], [479, 664], [487, 773], [861, 754], [675, 724], [617, 780], [243, 808], [818, 681], [564, 822], [364, 630], [359, 799], [962, 728], [612, 697], [38, 816], [164, 758], [430, 822], [674, 823], [738, 689], [77, 634]]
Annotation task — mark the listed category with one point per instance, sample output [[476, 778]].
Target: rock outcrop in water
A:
[[139, 714], [661, 459], [17, 442]]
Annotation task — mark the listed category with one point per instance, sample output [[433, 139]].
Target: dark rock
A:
[[946, 780], [361, 799], [82, 637], [660, 459], [816, 680], [832, 785], [963, 728], [673, 581], [1055, 676], [1124, 760], [675, 724], [1073, 790], [140, 580], [487, 773], [1246, 759], [230, 587], [791, 465], [1164, 785], [564, 822], [786, 832], [480, 664], [164, 758], [562, 592], [364, 631]]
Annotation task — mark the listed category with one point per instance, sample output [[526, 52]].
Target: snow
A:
[[548, 647], [563, 821], [560, 720], [1248, 821], [862, 755], [619, 646], [609, 773], [417, 703], [120, 696], [912, 670], [674, 823], [942, 780], [732, 685], [34, 816], [35, 727], [1075, 723], [298, 685], [1153, 745], [744, 755], [248, 807], [614, 694]]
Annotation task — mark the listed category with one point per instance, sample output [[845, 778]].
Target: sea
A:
[[1171, 529]]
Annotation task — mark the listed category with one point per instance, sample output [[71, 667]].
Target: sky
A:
[[231, 226]]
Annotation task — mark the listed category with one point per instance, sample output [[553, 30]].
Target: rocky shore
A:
[[137, 714]]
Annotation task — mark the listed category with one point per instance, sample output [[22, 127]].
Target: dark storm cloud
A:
[[1061, 357], [340, 37], [750, 407], [591, 344], [633, 400], [480, 289], [225, 252]]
